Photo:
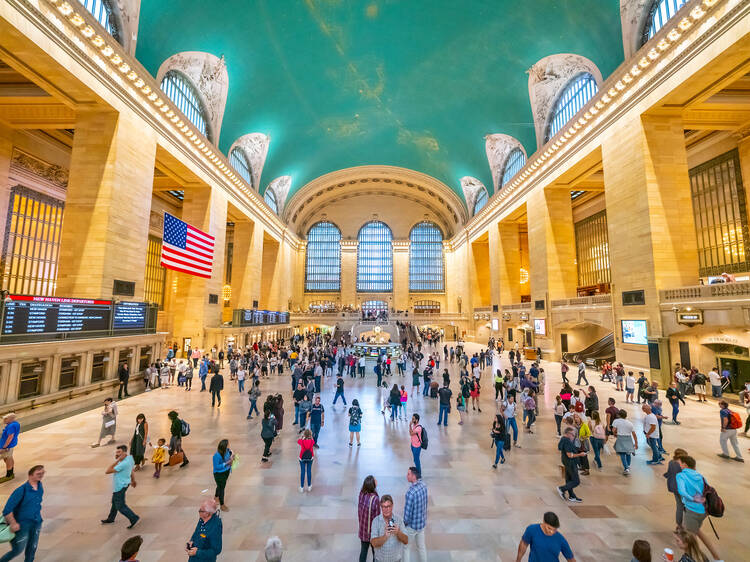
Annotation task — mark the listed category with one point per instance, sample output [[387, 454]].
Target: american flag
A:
[[185, 248]]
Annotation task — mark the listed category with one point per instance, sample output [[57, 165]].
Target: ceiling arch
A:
[[397, 196]]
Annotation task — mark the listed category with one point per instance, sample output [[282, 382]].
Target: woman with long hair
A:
[[499, 435], [688, 542], [395, 401], [222, 461], [139, 440], [598, 437], [306, 456], [267, 430], [368, 508], [355, 422]]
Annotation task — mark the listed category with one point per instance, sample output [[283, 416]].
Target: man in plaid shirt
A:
[[415, 514]]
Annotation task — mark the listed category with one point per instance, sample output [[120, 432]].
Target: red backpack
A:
[[735, 421], [579, 406]]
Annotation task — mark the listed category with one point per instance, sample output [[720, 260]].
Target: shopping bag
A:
[[176, 458], [6, 535], [236, 462]]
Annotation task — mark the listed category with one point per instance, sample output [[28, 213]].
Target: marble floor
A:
[[475, 513]]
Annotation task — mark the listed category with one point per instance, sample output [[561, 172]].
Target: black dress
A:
[[138, 443]]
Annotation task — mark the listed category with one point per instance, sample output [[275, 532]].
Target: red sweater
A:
[[306, 445]]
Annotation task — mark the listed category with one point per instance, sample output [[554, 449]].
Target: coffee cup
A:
[[668, 554]]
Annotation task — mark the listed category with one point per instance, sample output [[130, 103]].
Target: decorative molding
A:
[[208, 73], [255, 146], [280, 188], [633, 16], [51, 173], [498, 147], [547, 79], [128, 12], [471, 188]]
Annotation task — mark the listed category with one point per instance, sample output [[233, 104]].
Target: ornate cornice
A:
[[53, 173]]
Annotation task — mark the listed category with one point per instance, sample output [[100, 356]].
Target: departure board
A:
[[130, 315], [248, 317], [53, 315]]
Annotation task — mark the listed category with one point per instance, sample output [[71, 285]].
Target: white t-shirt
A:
[[715, 379], [623, 426], [241, 375], [648, 421], [510, 410], [630, 382]]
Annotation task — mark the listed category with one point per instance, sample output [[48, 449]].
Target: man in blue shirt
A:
[[415, 514], [545, 542], [8, 440], [23, 512], [122, 477], [205, 544]]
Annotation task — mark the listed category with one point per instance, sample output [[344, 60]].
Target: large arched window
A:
[[572, 99], [426, 258], [239, 162], [514, 163], [480, 201], [661, 11], [102, 11], [179, 89], [375, 258], [323, 258], [270, 198]]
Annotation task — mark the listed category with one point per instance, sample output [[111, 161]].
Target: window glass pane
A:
[[572, 99], [514, 163], [592, 250], [661, 11], [481, 200], [30, 382], [426, 258], [270, 197], [183, 94], [375, 258], [239, 162], [155, 278], [98, 370], [323, 258], [32, 245], [720, 213], [102, 11]]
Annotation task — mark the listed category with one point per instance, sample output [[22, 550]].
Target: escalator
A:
[[595, 354]]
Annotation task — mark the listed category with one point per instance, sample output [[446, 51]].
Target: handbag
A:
[[176, 458], [6, 535], [235, 462]]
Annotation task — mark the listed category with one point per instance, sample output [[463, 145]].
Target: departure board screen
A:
[[249, 317], [53, 315], [130, 315]]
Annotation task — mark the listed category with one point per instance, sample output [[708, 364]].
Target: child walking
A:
[[160, 456]]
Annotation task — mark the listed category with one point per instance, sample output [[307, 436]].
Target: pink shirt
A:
[[416, 439]]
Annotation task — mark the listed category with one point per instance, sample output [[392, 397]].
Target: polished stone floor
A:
[[475, 513]]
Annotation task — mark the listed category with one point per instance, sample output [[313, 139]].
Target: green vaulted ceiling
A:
[[412, 83]]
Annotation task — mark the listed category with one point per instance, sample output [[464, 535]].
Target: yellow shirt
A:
[[160, 455], [584, 432]]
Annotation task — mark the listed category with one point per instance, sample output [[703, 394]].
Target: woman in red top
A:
[[306, 454], [368, 508]]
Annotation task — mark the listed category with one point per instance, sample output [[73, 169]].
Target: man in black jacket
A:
[[216, 386], [124, 375]]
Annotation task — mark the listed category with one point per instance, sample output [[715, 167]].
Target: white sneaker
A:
[[301, 489], [309, 488]]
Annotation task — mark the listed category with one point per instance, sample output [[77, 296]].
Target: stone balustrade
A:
[[720, 291]]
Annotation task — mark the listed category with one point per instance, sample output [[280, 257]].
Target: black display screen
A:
[[130, 315], [249, 317], [50, 315]]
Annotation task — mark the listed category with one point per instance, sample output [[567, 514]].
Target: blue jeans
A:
[[26, 540], [597, 445], [675, 410], [499, 450], [394, 411], [653, 442], [305, 467], [512, 423], [203, 382], [443, 416], [625, 459], [716, 391], [415, 451], [315, 428], [426, 389], [296, 414], [241, 385], [253, 406], [336, 397]]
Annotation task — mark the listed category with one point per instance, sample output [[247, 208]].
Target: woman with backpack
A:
[[395, 401], [415, 431], [176, 428], [306, 456], [268, 429], [499, 435], [355, 420], [461, 407], [693, 490], [474, 393]]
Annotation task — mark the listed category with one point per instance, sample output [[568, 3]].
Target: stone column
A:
[[552, 255], [204, 208], [348, 272], [509, 259], [401, 274], [247, 256], [270, 272], [652, 244], [107, 206]]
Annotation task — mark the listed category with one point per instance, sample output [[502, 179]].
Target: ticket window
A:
[[30, 383], [69, 368], [99, 367]]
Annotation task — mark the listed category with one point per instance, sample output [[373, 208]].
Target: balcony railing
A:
[[517, 306], [594, 300], [720, 291]]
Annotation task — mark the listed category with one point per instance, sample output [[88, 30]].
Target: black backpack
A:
[[714, 504], [424, 441], [184, 428]]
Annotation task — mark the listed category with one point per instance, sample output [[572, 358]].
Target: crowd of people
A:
[[311, 360]]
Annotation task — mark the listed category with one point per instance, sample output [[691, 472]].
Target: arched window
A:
[[102, 11], [575, 95], [661, 11], [323, 258], [481, 200], [426, 258], [270, 197], [179, 89], [239, 162], [375, 258], [513, 164]]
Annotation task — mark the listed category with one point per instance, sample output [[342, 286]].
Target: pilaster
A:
[[246, 263], [401, 274], [348, 272]]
